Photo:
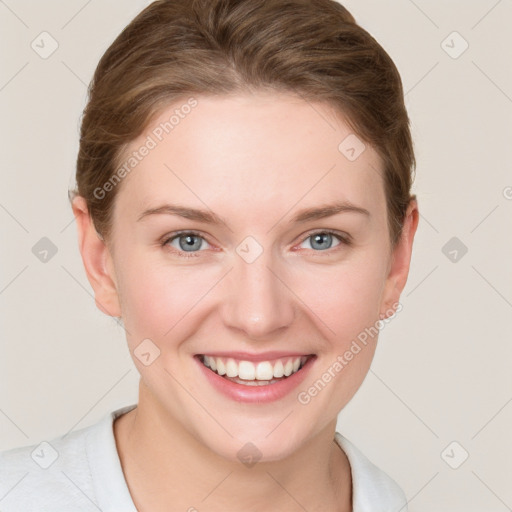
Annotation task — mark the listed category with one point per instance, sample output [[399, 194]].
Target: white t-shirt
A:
[[81, 471]]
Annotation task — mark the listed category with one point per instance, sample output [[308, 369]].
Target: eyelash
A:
[[344, 240]]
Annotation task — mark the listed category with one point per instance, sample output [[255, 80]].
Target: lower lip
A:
[[256, 394]]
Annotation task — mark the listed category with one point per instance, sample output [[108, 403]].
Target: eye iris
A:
[[319, 238], [190, 243]]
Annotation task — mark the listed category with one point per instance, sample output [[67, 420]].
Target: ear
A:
[[398, 269], [97, 260]]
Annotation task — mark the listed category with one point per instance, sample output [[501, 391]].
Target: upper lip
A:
[[263, 356]]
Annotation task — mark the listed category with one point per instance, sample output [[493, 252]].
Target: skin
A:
[[255, 160]]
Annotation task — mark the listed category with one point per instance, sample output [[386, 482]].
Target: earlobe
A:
[[96, 258], [400, 261]]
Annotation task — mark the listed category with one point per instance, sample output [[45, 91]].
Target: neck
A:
[[164, 464]]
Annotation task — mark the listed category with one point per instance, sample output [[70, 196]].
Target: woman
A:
[[243, 206]]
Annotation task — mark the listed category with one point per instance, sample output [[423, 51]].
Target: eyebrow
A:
[[208, 217]]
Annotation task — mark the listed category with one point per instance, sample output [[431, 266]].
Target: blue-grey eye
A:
[[322, 241], [188, 242]]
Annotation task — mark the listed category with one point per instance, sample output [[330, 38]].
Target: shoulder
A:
[[49, 474], [371, 487], [57, 475]]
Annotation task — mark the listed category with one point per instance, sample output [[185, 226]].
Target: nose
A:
[[258, 301]]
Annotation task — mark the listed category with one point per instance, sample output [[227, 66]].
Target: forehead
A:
[[250, 150]]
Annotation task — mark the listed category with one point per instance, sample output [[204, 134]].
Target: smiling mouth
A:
[[250, 373]]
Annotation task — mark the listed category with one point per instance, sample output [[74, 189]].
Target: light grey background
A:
[[442, 371]]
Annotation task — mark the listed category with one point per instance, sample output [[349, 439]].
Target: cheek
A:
[[156, 298], [346, 301], [345, 298]]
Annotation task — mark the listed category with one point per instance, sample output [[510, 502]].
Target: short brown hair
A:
[[175, 48]]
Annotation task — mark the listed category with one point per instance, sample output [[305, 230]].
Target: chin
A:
[[263, 440]]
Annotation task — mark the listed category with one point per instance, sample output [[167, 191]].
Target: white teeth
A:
[[246, 370], [264, 371], [221, 367], [254, 382], [231, 368], [278, 369], [288, 368]]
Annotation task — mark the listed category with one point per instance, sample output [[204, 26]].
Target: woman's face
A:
[[253, 228]]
